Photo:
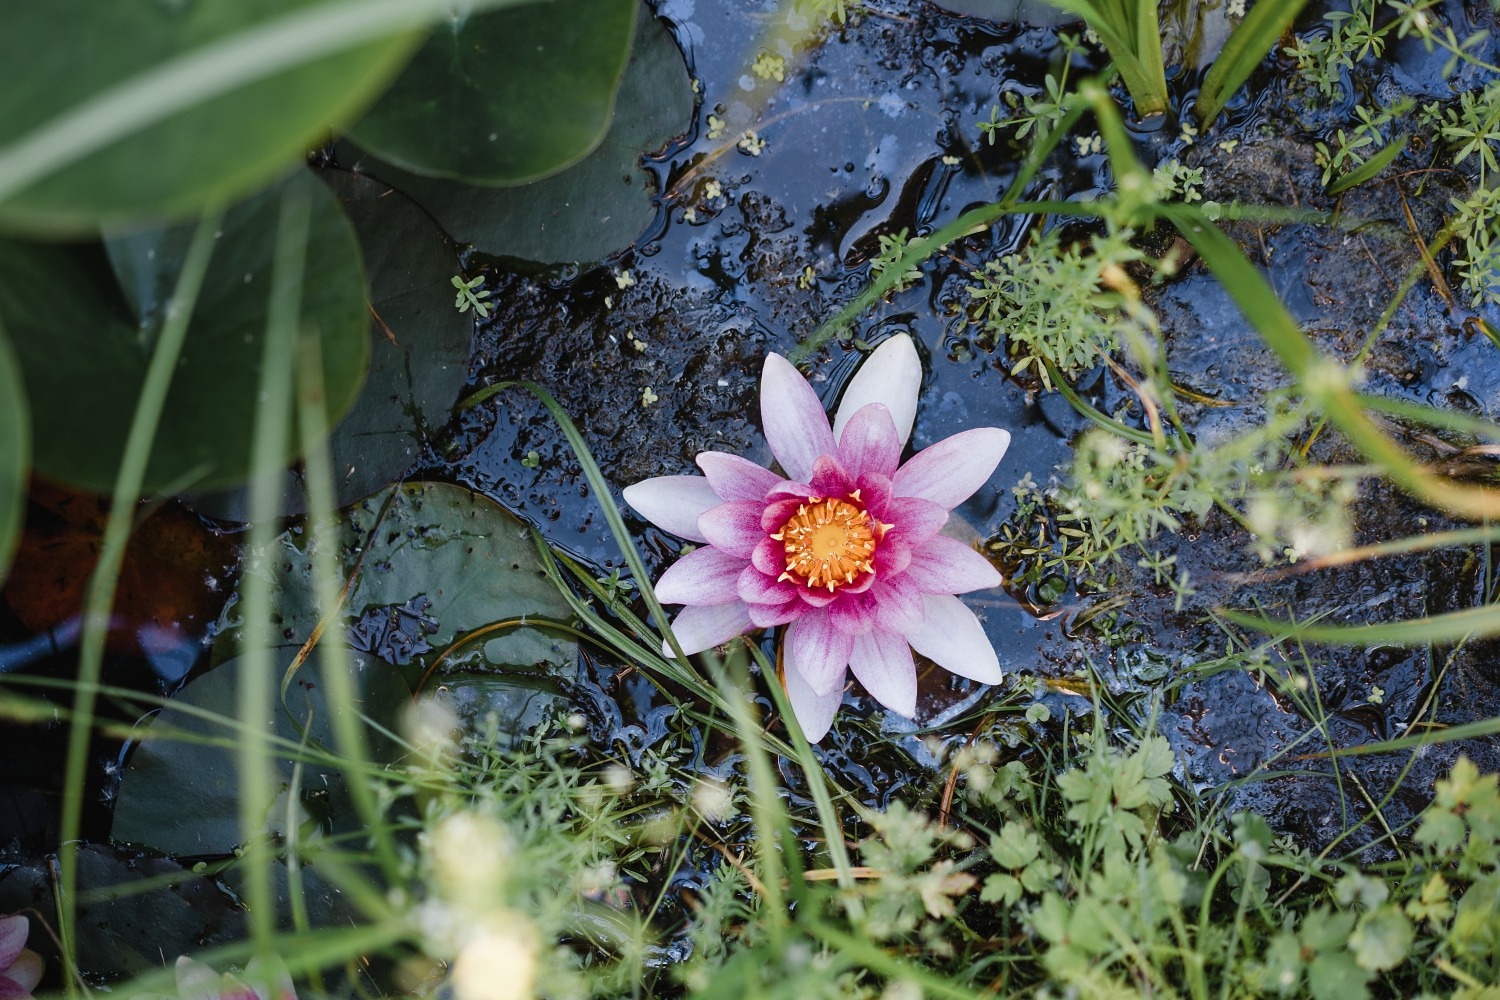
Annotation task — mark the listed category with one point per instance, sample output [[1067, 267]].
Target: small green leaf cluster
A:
[[1058, 302], [1038, 113], [891, 257]]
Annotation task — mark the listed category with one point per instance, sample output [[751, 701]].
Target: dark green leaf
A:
[[179, 793], [585, 213], [83, 353], [505, 97], [15, 453], [419, 349], [77, 51]]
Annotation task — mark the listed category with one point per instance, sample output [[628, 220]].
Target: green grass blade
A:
[[337, 668], [1367, 170], [256, 679], [1246, 47], [1326, 383], [1470, 623], [100, 596]]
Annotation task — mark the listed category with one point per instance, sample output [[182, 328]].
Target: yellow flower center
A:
[[829, 542]]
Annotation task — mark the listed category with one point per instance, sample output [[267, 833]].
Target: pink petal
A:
[[769, 556], [12, 990], [703, 576], [892, 556], [14, 930], [814, 711], [915, 520], [271, 978], [882, 662], [196, 981], [953, 639], [898, 605], [733, 527], [792, 417], [755, 587], [869, 445], [700, 627], [771, 615], [854, 614], [736, 478], [949, 472], [875, 491], [233, 989], [817, 651], [25, 971], [830, 478], [673, 503], [778, 512], [891, 375], [944, 565]]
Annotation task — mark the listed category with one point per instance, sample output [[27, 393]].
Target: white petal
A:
[[701, 627], [673, 503], [948, 473], [792, 416], [814, 711], [892, 375], [953, 639], [943, 565], [703, 576], [817, 651], [882, 662]]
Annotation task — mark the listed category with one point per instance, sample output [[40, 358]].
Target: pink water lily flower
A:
[[20, 967], [844, 548]]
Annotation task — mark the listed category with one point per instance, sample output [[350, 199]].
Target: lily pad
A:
[[587, 212], [505, 97], [443, 562], [15, 453], [419, 349], [84, 348], [134, 908], [78, 51], [179, 792]]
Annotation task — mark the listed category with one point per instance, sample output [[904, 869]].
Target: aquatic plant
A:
[[20, 967], [845, 548]]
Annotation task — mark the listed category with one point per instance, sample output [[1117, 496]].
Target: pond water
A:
[[771, 206]]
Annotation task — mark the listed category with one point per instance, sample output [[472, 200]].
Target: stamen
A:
[[829, 542]]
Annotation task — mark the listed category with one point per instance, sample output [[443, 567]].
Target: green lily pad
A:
[[587, 212], [15, 453], [133, 909], [77, 51], [84, 348], [505, 97], [419, 349], [445, 562], [180, 796]]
